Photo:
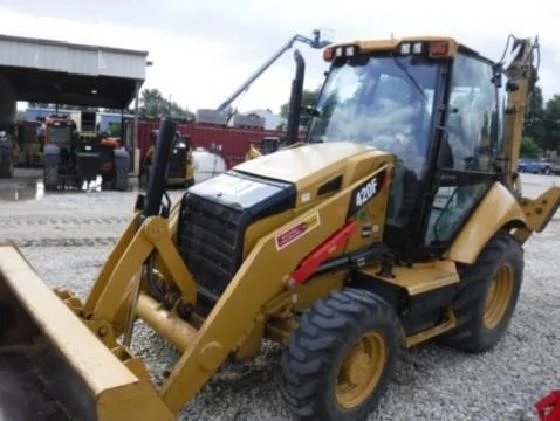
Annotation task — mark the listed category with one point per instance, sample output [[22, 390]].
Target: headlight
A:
[[405, 48], [417, 48]]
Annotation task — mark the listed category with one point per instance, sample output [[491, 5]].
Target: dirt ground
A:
[[67, 236]]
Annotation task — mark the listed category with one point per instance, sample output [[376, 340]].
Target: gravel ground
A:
[[67, 237]]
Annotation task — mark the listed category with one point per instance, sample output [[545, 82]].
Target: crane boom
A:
[[314, 42]]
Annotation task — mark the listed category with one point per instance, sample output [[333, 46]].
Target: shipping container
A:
[[230, 142]]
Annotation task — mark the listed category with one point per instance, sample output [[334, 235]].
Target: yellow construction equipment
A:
[[399, 220], [253, 151], [180, 167], [264, 147]]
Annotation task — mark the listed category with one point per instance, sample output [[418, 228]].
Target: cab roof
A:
[[393, 44]]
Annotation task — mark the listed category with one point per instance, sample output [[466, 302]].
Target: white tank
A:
[[206, 164]]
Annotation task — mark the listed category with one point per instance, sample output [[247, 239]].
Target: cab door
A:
[[466, 155]]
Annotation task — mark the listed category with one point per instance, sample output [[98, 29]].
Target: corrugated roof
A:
[[72, 58], [40, 69]]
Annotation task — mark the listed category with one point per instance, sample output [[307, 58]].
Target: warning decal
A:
[[297, 231]]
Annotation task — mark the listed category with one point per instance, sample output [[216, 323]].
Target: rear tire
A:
[[50, 177], [324, 374], [7, 172], [6, 165], [488, 295], [120, 182]]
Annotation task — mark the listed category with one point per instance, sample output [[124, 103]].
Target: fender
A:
[[122, 159], [51, 155], [6, 159], [498, 209]]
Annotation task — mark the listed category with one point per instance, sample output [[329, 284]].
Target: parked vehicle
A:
[[538, 166], [7, 152]]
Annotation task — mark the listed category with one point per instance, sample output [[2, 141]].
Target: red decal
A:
[[318, 256], [293, 233]]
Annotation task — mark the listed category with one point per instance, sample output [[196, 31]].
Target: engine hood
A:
[[294, 165], [291, 176], [310, 165]]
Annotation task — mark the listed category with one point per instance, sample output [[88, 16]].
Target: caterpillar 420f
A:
[[399, 220]]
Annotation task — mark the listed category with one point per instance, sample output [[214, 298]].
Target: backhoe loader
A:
[[398, 220], [180, 171], [265, 146]]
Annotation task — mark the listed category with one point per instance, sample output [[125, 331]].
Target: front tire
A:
[[338, 363], [488, 295], [120, 181]]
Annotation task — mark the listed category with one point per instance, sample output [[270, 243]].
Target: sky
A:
[[202, 51]]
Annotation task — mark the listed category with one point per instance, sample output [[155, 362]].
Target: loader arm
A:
[[206, 348], [235, 313]]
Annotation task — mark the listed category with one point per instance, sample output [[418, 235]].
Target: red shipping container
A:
[[231, 143]]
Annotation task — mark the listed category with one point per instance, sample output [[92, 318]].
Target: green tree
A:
[[308, 98], [551, 120], [114, 129], [534, 117], [154, 104], [530, 148]]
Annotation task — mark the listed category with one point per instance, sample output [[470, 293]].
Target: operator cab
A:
[[60, 131], [270, 144], [434, 105]]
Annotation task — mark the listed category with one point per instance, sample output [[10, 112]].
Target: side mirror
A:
[[497, 75]]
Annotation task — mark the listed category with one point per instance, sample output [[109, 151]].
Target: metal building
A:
[[44, 71], [66, 73]]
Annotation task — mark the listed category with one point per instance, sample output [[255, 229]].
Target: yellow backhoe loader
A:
[[264, 147], [398, 220], [180, 171]]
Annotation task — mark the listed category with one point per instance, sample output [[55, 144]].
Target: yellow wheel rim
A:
[[499, 296], [361, 370]]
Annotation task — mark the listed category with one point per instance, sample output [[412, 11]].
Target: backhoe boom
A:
[[521, 76]]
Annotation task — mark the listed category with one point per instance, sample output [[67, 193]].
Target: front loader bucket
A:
[[52, 367]]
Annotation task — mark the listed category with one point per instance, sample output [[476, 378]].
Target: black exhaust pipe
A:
[[158, 172], [294, 113]]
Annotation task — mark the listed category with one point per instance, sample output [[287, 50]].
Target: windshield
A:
[[58, 134], [386, 102]]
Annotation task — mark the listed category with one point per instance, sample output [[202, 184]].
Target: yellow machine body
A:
[[240, 258]]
